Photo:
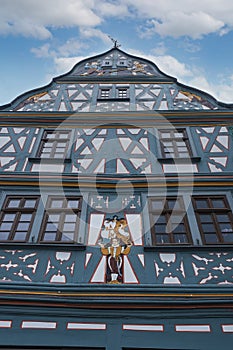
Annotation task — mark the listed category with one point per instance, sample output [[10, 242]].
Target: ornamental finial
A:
[[115, 42]]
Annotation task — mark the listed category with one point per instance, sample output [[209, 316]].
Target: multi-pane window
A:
[[104, 93], [107, 63], [114, 93], [174, 143], [54, 144], [122, 63], [16, 218], [61, 219], [122, 92], [214, 218], [168, 221]]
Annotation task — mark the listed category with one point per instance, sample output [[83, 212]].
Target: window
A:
[[113, 93], [174, 144], [61, 219], [106, 63], [17, 217], [122, 93], [54, 144], [214, 218], [104, 93], [168, 221], [122, 63]]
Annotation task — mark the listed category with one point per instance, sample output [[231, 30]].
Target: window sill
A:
[[38, 160], [29, 245], [179, 160], [188, 247], [113, 99]]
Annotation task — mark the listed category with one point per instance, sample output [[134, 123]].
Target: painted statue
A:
[[115, 243]]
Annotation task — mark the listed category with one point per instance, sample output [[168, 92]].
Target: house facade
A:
[[116, 224]]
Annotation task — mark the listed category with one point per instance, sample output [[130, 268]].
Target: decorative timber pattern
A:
[[16, 145], [142, 97], [70, 266], [112, 151], [93, 151], [216, 144], [128, 83]]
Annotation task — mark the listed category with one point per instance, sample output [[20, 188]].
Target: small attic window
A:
[[113, 93], [104, 93], [107, 63], [123, 93], [122, 63]]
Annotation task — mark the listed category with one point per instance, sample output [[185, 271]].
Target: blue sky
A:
[[190, 40]]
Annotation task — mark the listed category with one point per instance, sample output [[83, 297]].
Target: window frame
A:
[[122, 93], [55, 141], [106, 63], [113, 94], [166, 212], [62, 212], [36, 157], [173, 139], [187, 139], [122, 62], [18, 211], [212, 211]]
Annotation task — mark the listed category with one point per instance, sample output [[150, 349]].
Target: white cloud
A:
[[23, 27], [109, 9], [189, 45], [42, 51], [62, 65], [160, 49], [224, 93], [194, 25], [65, 64], [165, 17], [200, 82], [221, 91], [34, 18], [184, 18], [167, 64], [171, 66], [88, 32], [71, 47], [191, 76]]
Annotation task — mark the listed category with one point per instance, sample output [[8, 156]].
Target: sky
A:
[[190, 40]]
